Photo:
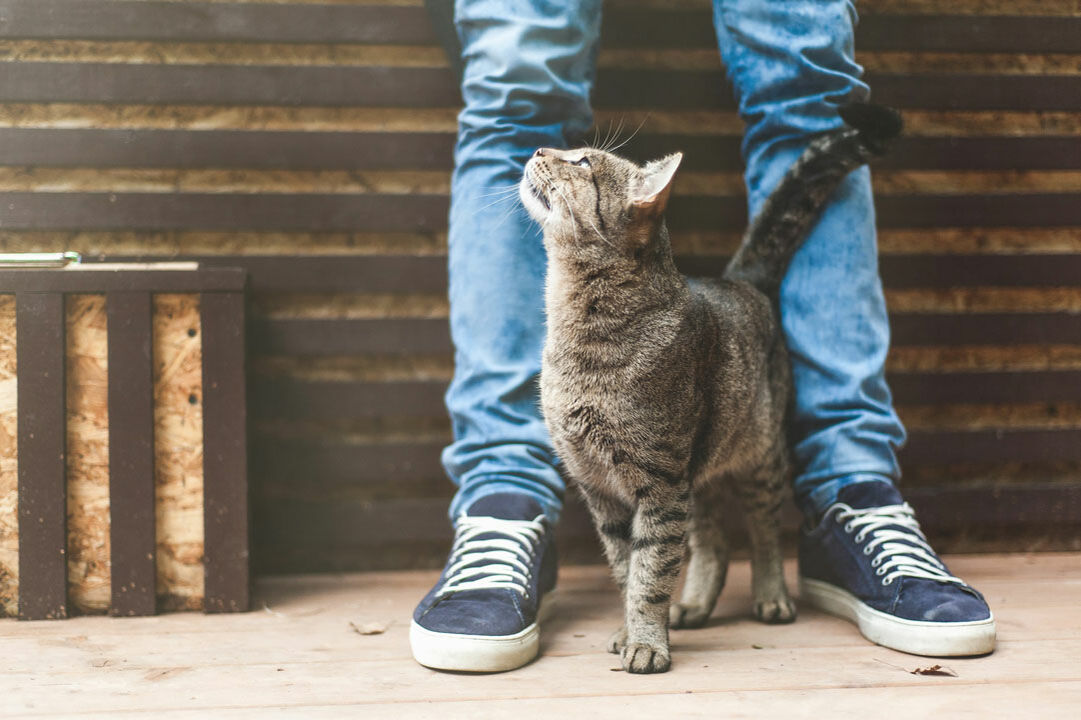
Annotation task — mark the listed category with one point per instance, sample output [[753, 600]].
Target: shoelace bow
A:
[[492, 562], [902, 548]]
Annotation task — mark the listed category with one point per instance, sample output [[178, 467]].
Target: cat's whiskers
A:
[[502, 198], [608, 142], [636, 130], [499, 190]]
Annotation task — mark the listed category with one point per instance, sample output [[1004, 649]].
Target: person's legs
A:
[[862, 554], [528, 71], [527, 74], [791, 64]]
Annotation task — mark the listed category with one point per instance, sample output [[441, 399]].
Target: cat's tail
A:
[[788, 213]]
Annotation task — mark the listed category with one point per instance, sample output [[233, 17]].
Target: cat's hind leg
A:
[[762, 495], [707, 565]]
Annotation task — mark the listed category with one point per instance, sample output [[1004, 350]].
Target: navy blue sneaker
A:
[[484, 614], [868, 562]]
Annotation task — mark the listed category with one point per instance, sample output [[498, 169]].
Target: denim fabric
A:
[[528, 71]]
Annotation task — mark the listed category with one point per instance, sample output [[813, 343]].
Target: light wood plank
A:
[[296, 654]]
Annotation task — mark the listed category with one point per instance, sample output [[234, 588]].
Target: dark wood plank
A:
[[986, 387], [985, 328], [327, 86], [382, 86], [1051, 270], [131, 453], [42, 413], [88, 278], [224, 211], [297, 150], [355, 534], [313, 150], [371, 274], [623, 26], [994, 445], [693, 27], [427, 273], [283, 397], [215, 22], [225, 453], [969, 33], [401, 469], [318, 336], [427, 213], [708, 90], [323, 400], [687, 213]]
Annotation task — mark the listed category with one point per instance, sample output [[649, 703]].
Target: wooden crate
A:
[[123, 458]]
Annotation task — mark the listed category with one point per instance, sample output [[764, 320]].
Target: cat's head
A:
[[589, 201]]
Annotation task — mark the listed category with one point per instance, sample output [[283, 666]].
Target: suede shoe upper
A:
[[502, 562], [870, 544]]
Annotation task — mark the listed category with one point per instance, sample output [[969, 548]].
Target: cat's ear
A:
[[650, 198]]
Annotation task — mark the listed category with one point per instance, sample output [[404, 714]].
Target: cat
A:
[[658, 390]]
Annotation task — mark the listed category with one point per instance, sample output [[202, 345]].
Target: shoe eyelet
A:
[[848, 528], [860, 537], [887, 581], [880, 571], [876, 562], [867, 550]]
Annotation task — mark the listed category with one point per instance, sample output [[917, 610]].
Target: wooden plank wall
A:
[[310, 141]]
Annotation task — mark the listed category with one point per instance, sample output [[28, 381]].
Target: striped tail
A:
[[791, 210]]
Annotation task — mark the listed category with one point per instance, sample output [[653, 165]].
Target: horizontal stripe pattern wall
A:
[[310, 143]]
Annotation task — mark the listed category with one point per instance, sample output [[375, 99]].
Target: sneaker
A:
[[868, 562], [484, 614]]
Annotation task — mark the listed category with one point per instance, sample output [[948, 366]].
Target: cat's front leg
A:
[[658, 535], [612, 518]]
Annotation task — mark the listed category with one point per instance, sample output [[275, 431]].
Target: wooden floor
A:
[[300, 655]]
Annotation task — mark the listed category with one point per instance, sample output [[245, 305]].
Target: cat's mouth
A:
[[536, 192]]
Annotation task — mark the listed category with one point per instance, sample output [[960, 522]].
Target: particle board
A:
[[178, 451], [9, 476], [87, 381]]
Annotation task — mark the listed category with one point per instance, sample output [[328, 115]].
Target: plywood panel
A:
[[178, 441], [9, 476], [88, 453]]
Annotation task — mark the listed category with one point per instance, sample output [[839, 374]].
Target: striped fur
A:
[[659, 391]]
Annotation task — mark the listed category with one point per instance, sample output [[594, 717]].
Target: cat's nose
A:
[[540, 152]]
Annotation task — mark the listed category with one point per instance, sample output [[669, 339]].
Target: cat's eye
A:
[[582, 162]]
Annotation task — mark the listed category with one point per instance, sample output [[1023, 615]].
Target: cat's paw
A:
[[617, 640], [776, 611], [687, 616], [644, 658]]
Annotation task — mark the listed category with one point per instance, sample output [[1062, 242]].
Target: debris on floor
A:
[[368, 628], [934, 670]]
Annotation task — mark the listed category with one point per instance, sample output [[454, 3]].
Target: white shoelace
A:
[[902, 548], [492, 563]]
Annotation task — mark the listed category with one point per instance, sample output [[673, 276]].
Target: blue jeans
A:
[[528, 71]]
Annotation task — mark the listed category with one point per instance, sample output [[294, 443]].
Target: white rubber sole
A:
[[936, 639], [479, 653]]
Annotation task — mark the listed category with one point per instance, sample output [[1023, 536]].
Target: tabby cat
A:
[[658, 390]]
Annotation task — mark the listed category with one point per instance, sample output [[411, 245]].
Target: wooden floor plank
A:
[[297, 654]]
